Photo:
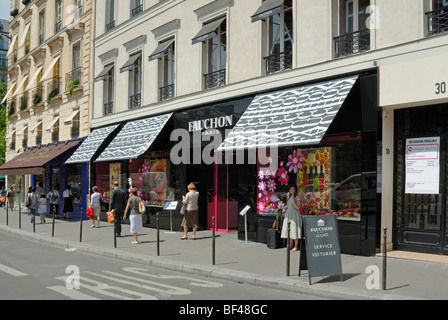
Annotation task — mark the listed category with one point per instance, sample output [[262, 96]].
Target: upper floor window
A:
[[134, 66], [58, 25], [277, 34], [110, 14], [437, 17], [214, 39], [166, 56], [136, 7], [41, 27], [354, 36]]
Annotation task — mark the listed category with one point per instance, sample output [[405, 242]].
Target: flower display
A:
[[271, 185], [295, 161], [282, 176]]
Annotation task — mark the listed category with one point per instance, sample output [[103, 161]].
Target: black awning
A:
[[128, 65], [267, 9], [103, 74], [160, 51], [208, 31]]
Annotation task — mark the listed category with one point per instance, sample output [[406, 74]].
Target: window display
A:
[[74, 180], [328, 180]]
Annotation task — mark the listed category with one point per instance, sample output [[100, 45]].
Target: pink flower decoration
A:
[[282, 176], [260, 207], [294, 161], [261, 174], [262, 186], [271, 185]]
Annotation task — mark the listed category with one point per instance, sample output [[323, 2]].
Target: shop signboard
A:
[[321, 248], [423, 165]]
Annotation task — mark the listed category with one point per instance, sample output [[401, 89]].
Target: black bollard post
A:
[[52, 226], [384, 257], [7, 205], [213, 241], [7, 217], [80, 227], [158, 234], [34, 221], [115, 233], [20, 215], [288, 252]]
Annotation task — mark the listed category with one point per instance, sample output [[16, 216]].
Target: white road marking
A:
[[73, 294], [11, 271]]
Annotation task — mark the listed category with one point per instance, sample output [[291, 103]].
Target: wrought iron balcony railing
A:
[[23, 100], [36, 95], [437, 21], [73, 79], [38, 140], [215, 79], [135, 101], [74, 132], [110, 25], [58, 26], [53, 88], [137, 10], [108, 108], [350, 43], [279, 62], [166, 92]]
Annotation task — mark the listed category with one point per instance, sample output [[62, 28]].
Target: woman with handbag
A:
[[190, 201], [135, 216], [96, 199], [68, 202]]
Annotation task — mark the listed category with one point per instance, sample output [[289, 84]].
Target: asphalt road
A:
[[35, 271]]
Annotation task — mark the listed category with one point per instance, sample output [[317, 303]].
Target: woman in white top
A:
[[190, 200], [95, 201]]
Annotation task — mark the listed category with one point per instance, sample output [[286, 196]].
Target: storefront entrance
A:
[[420, 215]]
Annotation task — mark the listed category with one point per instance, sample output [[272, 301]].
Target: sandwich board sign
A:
[[321, 249]]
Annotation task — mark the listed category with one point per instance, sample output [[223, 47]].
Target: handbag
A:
[[89, 213], [141, 207], [110, 216], [182, 210], [28, 202], [2, 199]]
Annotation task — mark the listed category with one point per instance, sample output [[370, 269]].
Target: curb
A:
[[326, 291]]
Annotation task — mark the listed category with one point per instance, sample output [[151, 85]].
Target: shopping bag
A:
[[110, 216], [89, 213], [141, 207]]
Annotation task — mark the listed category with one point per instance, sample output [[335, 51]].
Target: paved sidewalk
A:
[[235, 260]]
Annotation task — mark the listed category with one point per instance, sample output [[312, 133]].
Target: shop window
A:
[[106, 174], [74, 180], [151, 178], [328, 180]]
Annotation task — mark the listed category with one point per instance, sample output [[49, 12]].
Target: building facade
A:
[[4, 45], [48, 93]]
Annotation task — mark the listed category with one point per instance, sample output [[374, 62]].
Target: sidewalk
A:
[[235, 260]]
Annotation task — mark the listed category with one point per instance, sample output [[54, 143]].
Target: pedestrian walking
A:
[[135, 217], [68, 202], [96, 199], [190, 220], [292, 215], [117, 203], [10, 197], [53, 196], [42, 208], [27, 196], [33, 203]]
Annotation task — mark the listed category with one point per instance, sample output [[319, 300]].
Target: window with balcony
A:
[[38, 130], [75, 129], [136, 7], [110, 14], [12, 144], [73, 78], [108, 90], [25, 138], [354, 36], [166, 57], [278, 34], [55, 132], [437, 17], [134, 66], [214, 44]]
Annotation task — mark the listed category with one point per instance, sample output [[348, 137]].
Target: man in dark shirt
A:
[[117, 202]]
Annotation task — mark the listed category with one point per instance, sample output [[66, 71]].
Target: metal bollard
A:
[[80, 227], [213, 240], [20, 215], [34, 221], [288, 251], [115, 232], [158, 233], [7, 205], [384, 257], [52, 226], [7, 217]]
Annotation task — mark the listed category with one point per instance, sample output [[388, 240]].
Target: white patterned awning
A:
[[134, 139], [292, 117], [91, 145]]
